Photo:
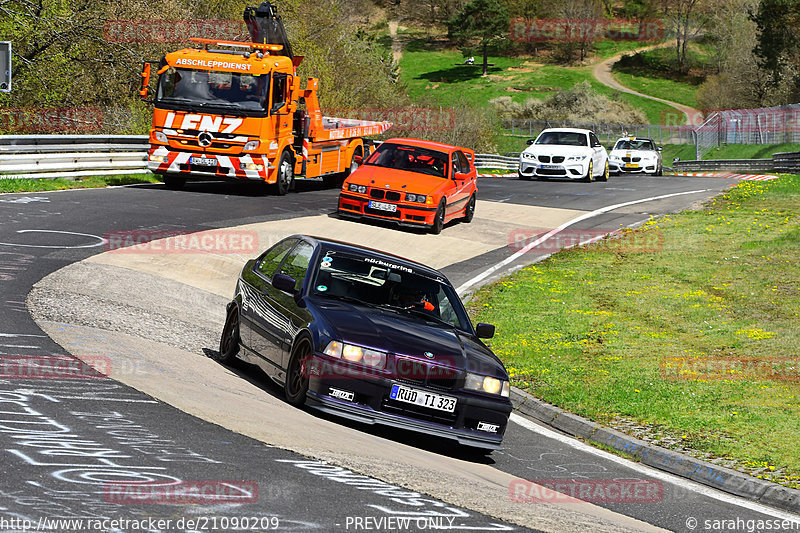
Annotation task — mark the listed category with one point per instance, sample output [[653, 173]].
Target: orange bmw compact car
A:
[[413, 183]]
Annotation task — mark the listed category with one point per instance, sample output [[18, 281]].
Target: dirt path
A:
[[397, 46], [602, 73]]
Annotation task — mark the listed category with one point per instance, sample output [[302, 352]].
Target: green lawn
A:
[[749, 151], [438, 76], [682, 326], [27, 185], [674, 91]]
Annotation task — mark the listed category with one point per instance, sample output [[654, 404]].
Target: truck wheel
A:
[[174, 183], [285, 175]]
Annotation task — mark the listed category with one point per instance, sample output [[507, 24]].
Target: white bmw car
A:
[[564, 153], [636, 155]]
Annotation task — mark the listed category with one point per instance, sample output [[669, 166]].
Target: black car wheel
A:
[[297, 374], [470, 212], [285, 175], [174, 183], [229, 342], [438, 221]]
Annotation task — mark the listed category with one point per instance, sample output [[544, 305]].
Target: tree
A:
[[483, 21], [687, 18], [778, 47]]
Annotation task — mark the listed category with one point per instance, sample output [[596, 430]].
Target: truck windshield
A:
[[201, 88], [410, 158]]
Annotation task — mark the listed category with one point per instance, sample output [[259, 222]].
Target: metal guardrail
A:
[[737, 165], [787, 162], [71, 156], [496, 161]]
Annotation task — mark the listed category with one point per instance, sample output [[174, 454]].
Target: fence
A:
[[769, 125], [71, 156], [607, 133]]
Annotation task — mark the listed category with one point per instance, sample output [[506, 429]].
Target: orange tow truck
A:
[[233, 110]]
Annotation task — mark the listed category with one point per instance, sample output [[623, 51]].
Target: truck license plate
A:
[[382, 206], [203, 161], [423, 398]]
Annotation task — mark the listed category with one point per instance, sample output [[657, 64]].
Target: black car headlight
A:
[[358, 188], [356, 354], [419, 198], [487, 384]]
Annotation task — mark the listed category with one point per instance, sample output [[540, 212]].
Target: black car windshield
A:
[[411, 158], [567, 138], [637, 144], [226, 90], [380, 283]]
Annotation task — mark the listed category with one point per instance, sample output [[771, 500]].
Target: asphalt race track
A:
[[168, 415]]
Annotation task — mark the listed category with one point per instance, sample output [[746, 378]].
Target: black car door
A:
[[276, 326], [293, 316], [256, 309]]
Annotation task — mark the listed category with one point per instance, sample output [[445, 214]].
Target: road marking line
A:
[[652, 472], [491, 270]]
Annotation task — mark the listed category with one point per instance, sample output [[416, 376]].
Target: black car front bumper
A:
[[371, 404]]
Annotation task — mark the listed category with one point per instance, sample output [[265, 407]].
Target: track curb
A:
[[715, 476]]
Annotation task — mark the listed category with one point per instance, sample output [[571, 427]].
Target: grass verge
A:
[[678, 332], [92, 182], [749, 151]]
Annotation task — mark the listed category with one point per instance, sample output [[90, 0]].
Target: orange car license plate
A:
[[382, 206]]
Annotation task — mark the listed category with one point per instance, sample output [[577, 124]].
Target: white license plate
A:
[[203, 161], [423, 398], [382, 206], [550, 167]]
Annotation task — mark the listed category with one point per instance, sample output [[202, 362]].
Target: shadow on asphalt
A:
[[237, 188], [258, 378]]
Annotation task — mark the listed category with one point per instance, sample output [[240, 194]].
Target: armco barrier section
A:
[[787, 162], [733, 165], [71, 156], [496, 161]]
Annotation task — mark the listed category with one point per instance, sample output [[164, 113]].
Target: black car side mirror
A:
[[530, 141], [484, 331], [284, 283]]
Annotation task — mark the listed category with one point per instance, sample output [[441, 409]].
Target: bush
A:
[[578, 104]]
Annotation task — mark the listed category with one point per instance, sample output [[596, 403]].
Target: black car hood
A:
[[408, 335]]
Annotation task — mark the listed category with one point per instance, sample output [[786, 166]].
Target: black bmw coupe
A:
[[368, 336]]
